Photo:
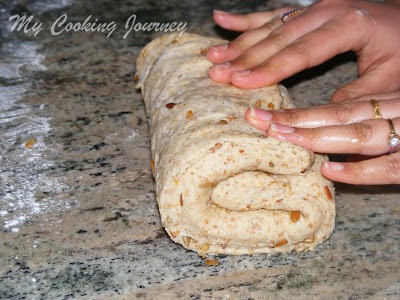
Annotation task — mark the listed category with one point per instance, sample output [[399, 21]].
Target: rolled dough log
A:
[[223, 186]]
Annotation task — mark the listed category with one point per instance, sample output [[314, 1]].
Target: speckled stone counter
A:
[[78, 217]]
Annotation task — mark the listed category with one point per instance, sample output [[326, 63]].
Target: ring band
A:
[[394, 138], [377, 111], [285, 17]]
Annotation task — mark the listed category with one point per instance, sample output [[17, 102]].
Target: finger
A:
[[381, 170], [377, 79], [257, 26], [309, 50], [227, 52], [368, 137], [245, 22], [380, 96], [341, 113], [256, 46]]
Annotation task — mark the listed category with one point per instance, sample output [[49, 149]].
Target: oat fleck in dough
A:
[[223, 186]]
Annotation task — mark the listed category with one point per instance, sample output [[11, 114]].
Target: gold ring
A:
[[377, 112], [285, 17], [394, 138]]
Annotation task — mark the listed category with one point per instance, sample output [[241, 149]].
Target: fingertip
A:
[[275, 134], [260, 114], [241, 79], [334, 171], [249, 114], [247, 79], [220, 12], [222, 53], [336, 98], [259, 124], [217, 74], [217, 54], [211, 55], [343, 94], [250, 117], [219, 15], [224, 19], [333, 166]]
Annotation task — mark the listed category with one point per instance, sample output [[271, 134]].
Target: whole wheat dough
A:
[[223, 186]]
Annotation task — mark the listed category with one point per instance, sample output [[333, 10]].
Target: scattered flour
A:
[[26, 189]]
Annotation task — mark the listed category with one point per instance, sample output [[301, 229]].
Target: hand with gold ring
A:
[[278, 44], [368, 125]]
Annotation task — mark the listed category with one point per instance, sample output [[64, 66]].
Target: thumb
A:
[[381, 79]]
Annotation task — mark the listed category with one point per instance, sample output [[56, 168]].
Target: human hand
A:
[[270, 50], [344, 127]]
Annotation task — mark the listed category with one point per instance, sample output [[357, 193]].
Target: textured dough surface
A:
[[223, 186]]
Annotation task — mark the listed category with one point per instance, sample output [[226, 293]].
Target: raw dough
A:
[[223, 186]]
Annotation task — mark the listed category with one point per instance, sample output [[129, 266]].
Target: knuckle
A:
[[363, 133], [236, 44], [358, 15], [391, 167], [344, 113], [269, 26], [248, 19], [247, 59], [290, 118], [240, 42], [360, 172], [314, 136], [300, 51], [278, 39]]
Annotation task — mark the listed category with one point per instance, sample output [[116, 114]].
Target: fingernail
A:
[[223, 66], [220, 12], [220, 47], [333, 166], [260, 114], [242, 73], [281, 128]]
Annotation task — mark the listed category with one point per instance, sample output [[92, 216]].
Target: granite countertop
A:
[[78, 217]]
